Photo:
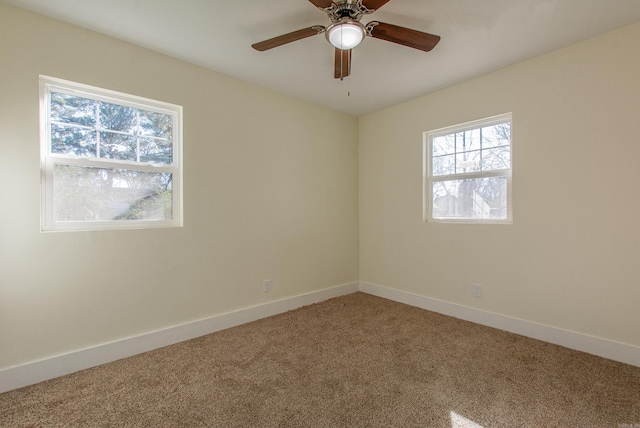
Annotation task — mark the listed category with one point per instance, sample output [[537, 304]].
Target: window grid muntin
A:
[[455, 152], [50, 89]]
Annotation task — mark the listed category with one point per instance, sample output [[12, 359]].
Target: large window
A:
[[467, 173], [109, 160]]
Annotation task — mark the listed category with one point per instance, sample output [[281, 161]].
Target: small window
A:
[[468, 172], [109, 160]]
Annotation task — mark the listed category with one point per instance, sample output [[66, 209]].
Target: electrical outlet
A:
[[266, 285], [476, 290]]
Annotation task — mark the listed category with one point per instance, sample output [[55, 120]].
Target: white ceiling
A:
[[478, 36]]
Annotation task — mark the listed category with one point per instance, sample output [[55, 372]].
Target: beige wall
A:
[[571, 257], [270, 192]]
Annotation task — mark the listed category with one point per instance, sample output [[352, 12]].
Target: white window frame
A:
[[429, 179], [48, 159]]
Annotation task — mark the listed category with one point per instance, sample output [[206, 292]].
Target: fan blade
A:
[[342, 66], [322, 4], [403, 36], [288, 38], [374, 4]]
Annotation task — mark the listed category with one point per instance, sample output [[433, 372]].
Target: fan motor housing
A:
[[353, 10]]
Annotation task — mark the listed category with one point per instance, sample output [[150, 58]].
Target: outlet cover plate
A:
[[476, 290]]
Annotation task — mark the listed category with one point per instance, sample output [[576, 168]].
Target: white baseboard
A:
[[49, 368], [624, 353]]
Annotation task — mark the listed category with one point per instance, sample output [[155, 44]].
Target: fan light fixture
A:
[[345, 34]]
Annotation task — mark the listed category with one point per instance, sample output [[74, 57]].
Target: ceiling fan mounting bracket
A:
[[352, 9]]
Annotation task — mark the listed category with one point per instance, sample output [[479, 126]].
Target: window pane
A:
[[498, 158], [156, 124], [468, 162], [480, 198], [72, 140], [100, 194], [118, 118], [444, 165], [496, 135], [468, 140], [117, 146], [444, 145], [155, 150], [71, 109]]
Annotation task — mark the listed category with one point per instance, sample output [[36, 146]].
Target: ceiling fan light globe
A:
[[346, 35]]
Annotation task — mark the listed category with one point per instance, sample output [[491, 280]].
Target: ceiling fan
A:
[[346, 31]]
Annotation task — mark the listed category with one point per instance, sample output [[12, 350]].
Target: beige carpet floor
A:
[[357, 360]]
